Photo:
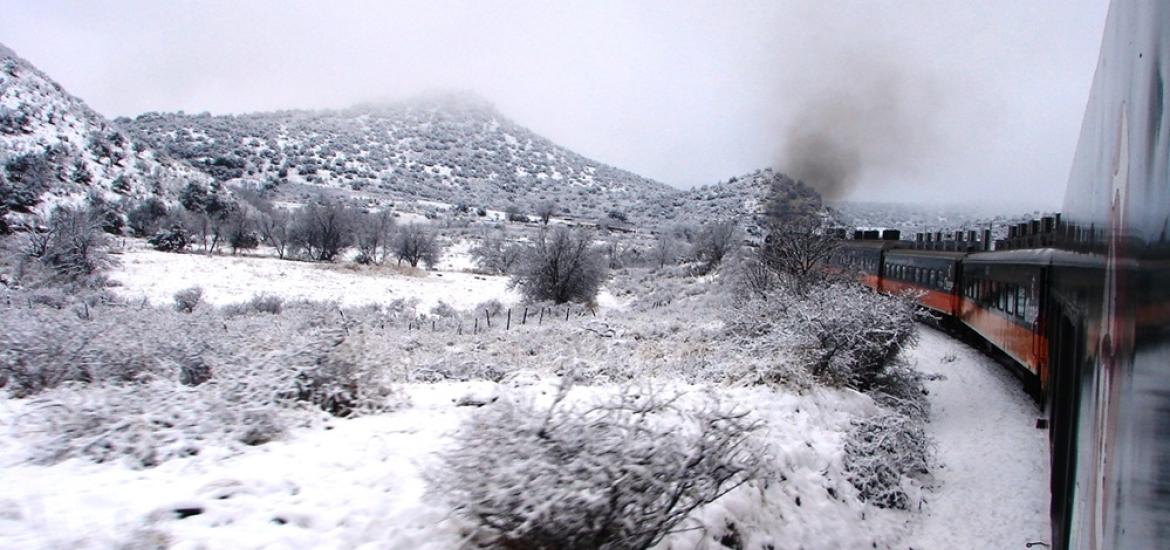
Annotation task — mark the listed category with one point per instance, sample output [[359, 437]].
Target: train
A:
[[1079, 304], [993, 290]]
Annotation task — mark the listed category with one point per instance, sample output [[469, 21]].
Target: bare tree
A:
[[242, 224], [323, 229], [374, 233], [798, 251], [414, 243], [561, 266], [665, 250], [274, 226], [714, 241], [545, 209], [495, 254]]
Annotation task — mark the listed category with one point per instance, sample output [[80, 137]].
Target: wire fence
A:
[[506, 319]]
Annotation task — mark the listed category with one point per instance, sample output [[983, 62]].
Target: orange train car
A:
[[932, 274]]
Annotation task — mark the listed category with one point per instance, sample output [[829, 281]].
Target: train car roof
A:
[[1037, 256], [950, 255], [871, 244]]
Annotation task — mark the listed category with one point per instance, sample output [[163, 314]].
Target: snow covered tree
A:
[[798, 251], [144, 218], [71, 243], [562, 265]]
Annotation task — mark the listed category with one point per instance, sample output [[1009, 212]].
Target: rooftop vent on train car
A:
[[872, 235], [858, 234], [891, 235]]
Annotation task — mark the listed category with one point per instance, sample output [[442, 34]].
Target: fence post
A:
[[432, 325], [540, 322], [566, 313], [488, 316], [524, 319], [476, 325], [509, 325]]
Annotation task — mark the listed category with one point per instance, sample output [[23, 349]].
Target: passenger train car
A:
[[1080, 304]]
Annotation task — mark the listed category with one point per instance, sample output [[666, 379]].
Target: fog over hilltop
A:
[[924, 101]]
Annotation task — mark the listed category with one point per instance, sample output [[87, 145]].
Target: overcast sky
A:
[[940, 101]]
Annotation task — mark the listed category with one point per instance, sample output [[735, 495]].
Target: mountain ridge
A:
[[55, 149]]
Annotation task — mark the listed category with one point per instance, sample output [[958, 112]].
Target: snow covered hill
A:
[[452, 148], [746, 199], [54, 148]]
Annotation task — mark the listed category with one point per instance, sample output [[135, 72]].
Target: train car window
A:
[[1021, 301], [1010, 298]]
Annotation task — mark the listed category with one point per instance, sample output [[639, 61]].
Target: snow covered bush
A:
[[188, 299], [71, 244], [147, 424], [266, 303], [883, 456], [491, 307], [344, 373], [844, 334], [622, 473], [173, 239], [44, 347]]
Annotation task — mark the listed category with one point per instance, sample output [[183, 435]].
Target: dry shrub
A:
[[883, 455], [623, 473]]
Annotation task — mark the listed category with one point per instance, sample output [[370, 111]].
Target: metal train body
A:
[[1082, 307]]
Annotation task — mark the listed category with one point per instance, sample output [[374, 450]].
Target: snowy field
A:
[[360, 482], [156, 277]]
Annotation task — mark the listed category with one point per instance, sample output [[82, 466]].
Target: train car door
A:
[[1063, 404]]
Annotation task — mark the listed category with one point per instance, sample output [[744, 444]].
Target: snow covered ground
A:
[[157, 276], [359, 483], [992, 477]]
